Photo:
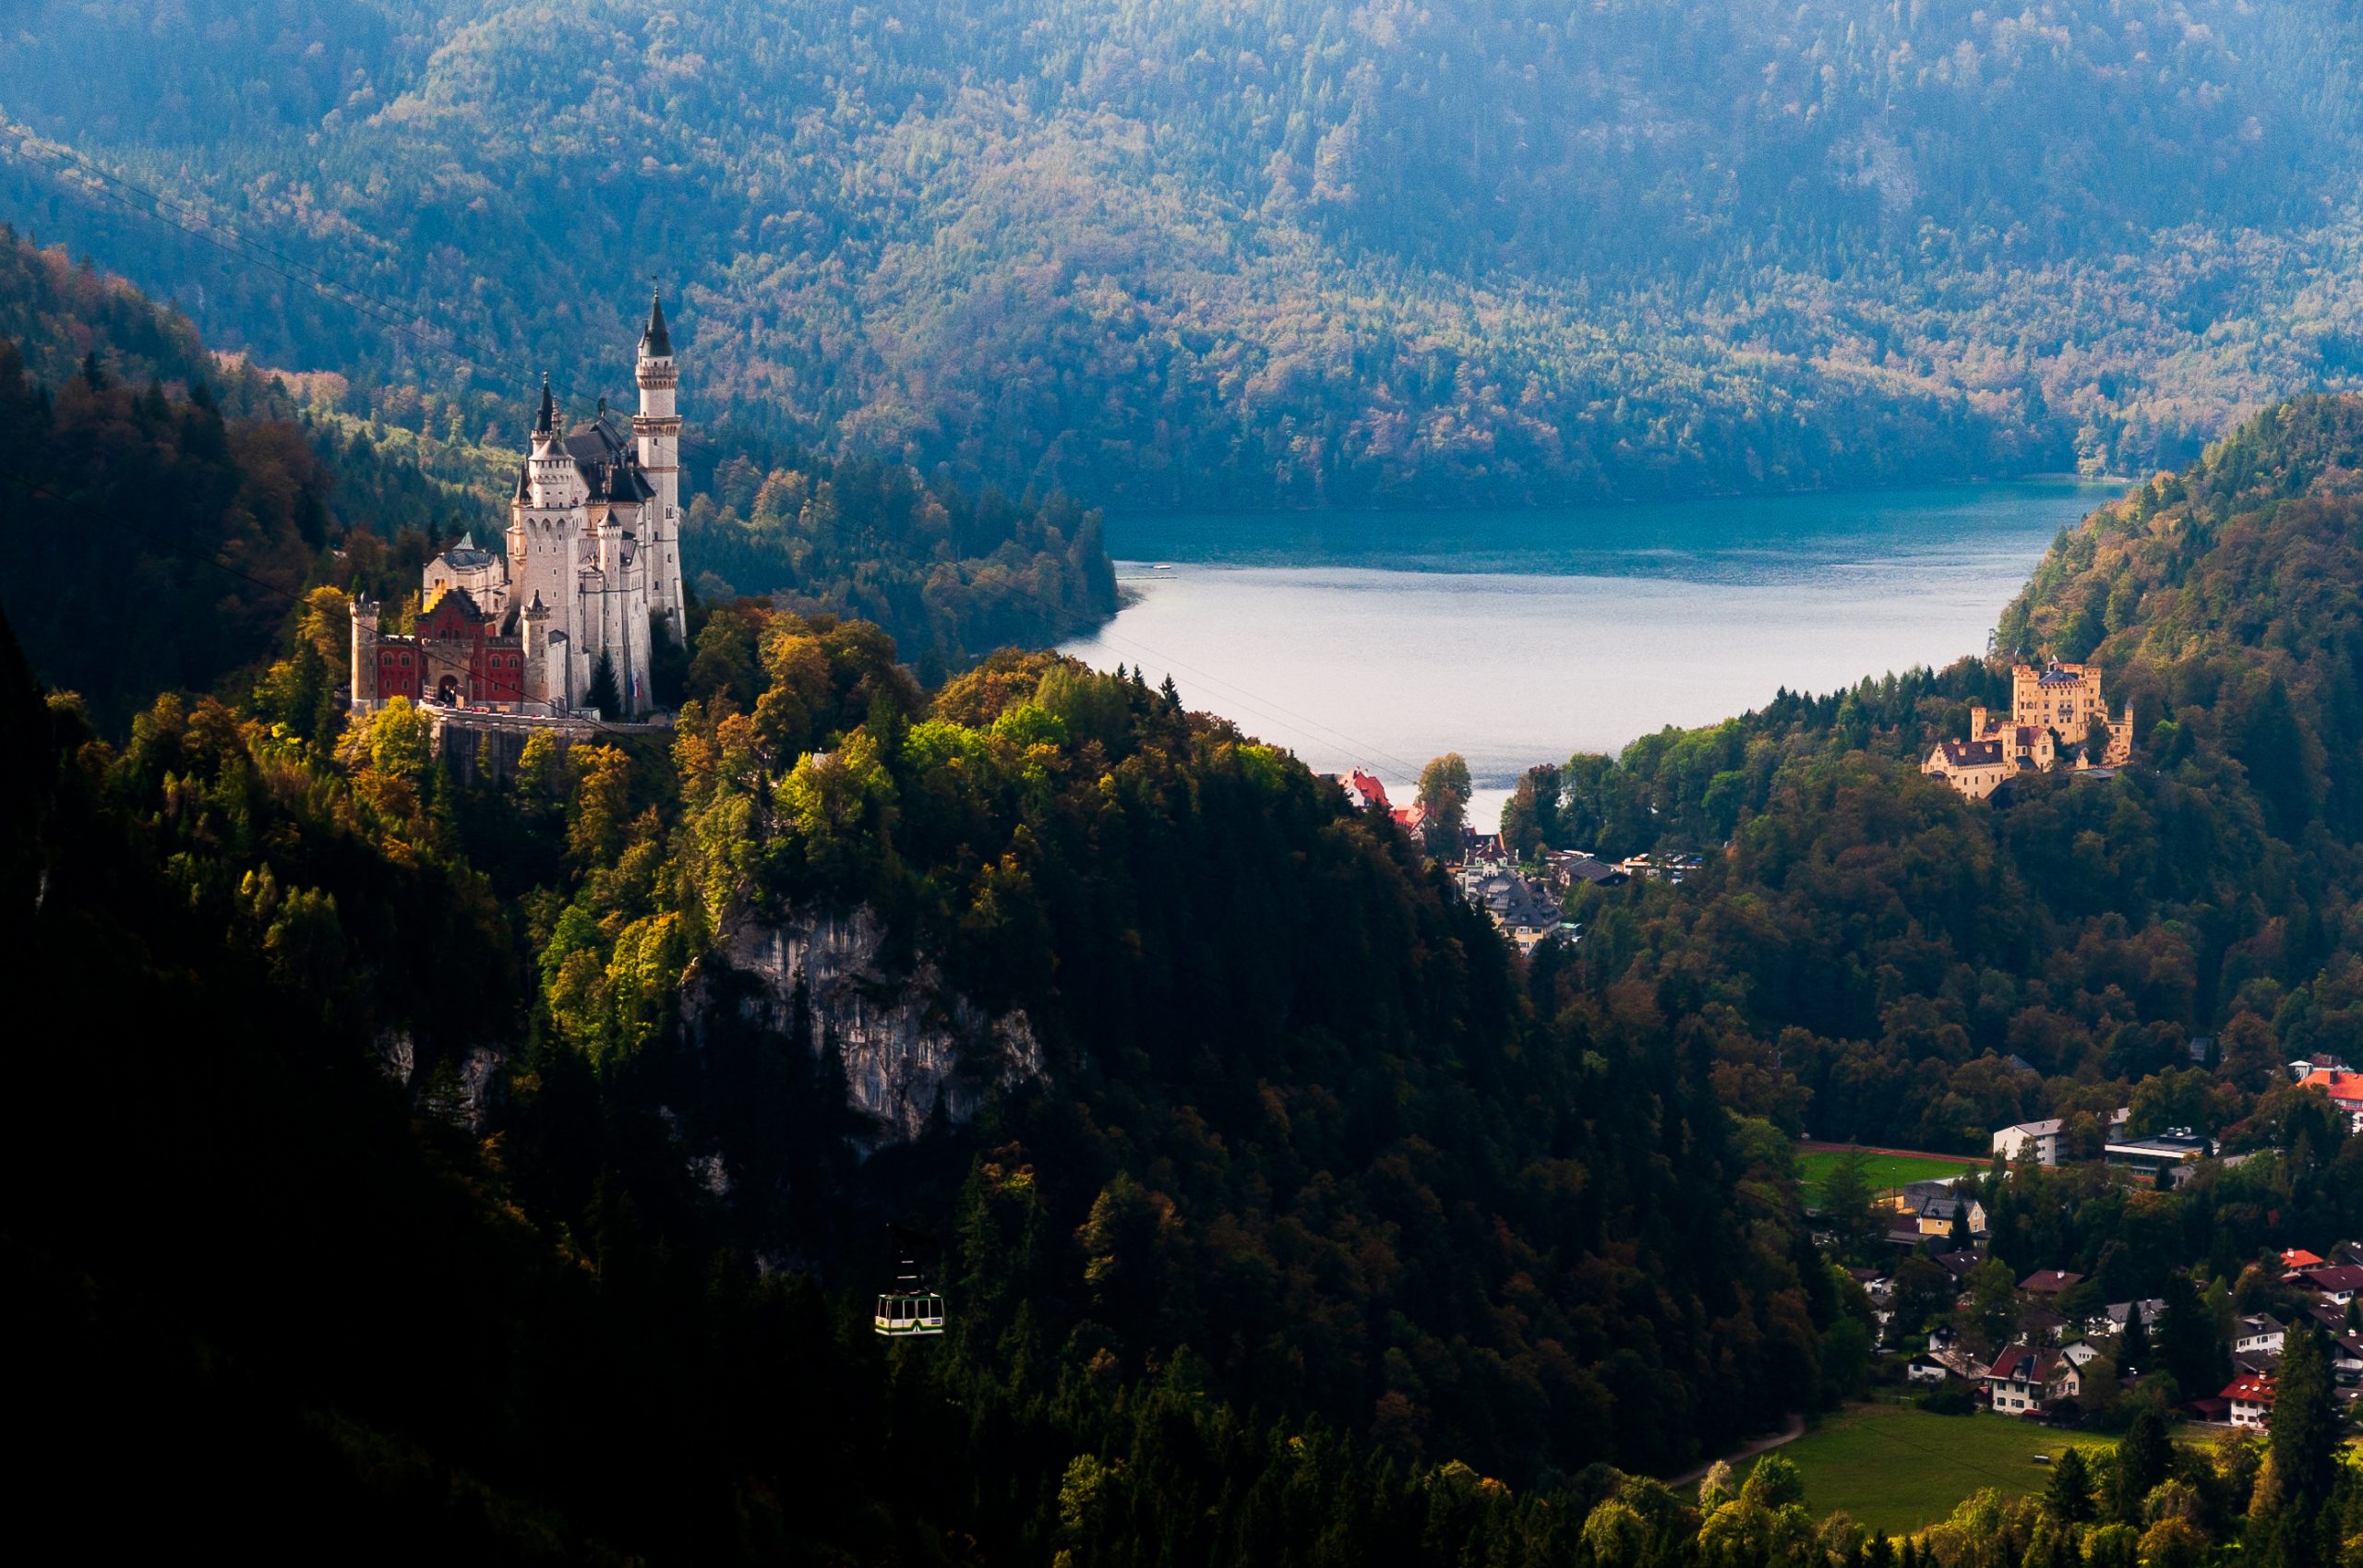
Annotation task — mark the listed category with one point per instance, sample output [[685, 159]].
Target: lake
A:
[[1380, 639]]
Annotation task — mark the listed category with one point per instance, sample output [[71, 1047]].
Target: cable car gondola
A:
[[908, 1309]]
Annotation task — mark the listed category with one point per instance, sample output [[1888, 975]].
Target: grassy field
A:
[[1895, 1468], [1882, 1171]]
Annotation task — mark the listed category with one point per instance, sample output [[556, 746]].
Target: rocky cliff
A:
[[908, 1044]]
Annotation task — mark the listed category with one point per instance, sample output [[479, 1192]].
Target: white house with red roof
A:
[[2250, 1397]]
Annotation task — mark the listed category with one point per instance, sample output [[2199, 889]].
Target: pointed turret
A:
[[655, 342], [524, 491], [547, 423]]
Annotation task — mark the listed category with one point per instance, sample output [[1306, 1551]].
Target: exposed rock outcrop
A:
[[908, 1044]]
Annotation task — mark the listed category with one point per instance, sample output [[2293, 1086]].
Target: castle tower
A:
[[537, 684], [657, 429], [364, 653]]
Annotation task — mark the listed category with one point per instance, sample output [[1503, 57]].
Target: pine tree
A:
[[2142, 1462], [2188, 1346], [604, 695], [2305, 1426], [2067, 1496], [2133, 1344]]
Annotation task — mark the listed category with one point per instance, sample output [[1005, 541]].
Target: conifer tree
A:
[[2142, 1462], [604, 695], [2133, 1344], [2067, 1496], [2305, 1429]]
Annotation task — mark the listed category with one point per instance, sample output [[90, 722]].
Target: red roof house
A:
[[2250, 1397], [2346, 1089]]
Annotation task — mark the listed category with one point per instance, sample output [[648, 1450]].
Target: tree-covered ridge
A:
[[948, 576], [1188, 255], [1865, 951]]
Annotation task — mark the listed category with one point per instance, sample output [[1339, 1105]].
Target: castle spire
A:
[[547, 423], [655, 342]]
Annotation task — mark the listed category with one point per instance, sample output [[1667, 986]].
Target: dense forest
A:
[[438, 1193], [172, 504], [1293, 1201], [1277, 254], [1865, 951]]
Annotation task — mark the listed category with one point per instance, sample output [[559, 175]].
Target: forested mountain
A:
[[1275, 253], [415, 1140], [1872, 947]]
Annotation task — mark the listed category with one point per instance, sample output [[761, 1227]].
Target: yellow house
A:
[[1972, 767]]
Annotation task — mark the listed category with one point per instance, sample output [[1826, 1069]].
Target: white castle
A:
[[594, 559]]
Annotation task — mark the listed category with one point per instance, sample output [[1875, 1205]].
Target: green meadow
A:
[[1882, 1171], [1895, 1468]]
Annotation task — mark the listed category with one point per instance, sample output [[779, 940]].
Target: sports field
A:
[[1882, 1171], [1895, 1468]]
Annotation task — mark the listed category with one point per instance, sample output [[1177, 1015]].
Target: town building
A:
[[2051, 709], [2038, 1140], [2175, 1150], [590, 564], [2345, 1089], [1522, 909]]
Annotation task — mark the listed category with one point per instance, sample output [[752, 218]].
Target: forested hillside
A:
[[477, 1229], [1872, 947], [1272, 254]]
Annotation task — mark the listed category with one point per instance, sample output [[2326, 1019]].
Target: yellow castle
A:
[[2052, 710]]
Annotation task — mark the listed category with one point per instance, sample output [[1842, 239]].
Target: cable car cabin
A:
[[919, 1313]]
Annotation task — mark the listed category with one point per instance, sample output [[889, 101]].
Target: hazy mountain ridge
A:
[[1277, 254]]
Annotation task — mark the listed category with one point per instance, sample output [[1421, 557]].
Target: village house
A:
[[2346, 1357], [2337, 1284], [2250, 1397], [2049, 1282], [2113, 1319], [2345, 1089], [2023, 1379], [1930, 1207], [2051, 709], [2262, 1333]]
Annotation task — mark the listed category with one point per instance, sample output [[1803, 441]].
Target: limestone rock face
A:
[[908, 1044]]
